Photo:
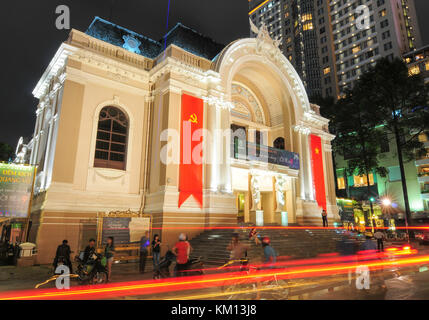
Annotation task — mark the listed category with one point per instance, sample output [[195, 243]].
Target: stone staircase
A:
[[294, 243]]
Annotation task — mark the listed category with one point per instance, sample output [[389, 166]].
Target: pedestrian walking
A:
[[144, 244], [379, 236], [238, 251], [182, 250], [237, 248], [325, 218], [156, 250], [63, 252], [270, 254], [109, 252]]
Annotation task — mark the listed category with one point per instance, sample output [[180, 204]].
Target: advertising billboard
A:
[[16, 189]]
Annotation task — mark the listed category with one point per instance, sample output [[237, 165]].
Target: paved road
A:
[[408, 283]]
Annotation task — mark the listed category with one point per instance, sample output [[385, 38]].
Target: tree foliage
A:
[[399, 102], [6, 152], [357, 137]]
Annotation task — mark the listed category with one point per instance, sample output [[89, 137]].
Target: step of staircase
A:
[[294, 243]]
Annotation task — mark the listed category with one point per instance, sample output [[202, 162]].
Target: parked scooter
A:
[[93, 271]]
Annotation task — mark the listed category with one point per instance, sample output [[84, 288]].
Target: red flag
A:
[[318, 172], [191, 167]]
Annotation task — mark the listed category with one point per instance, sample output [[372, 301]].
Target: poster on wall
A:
[[125, 230], [16, 189]]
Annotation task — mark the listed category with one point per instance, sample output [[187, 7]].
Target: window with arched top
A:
[[279, 143], [112, 138]]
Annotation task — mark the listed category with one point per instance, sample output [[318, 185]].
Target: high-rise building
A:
[[331, 43], [303, 26], [391, 31], [418, 62]]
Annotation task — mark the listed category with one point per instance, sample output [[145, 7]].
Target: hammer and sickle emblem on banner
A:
[[193, 118]]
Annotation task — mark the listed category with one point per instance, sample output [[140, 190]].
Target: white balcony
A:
[[425, 196]]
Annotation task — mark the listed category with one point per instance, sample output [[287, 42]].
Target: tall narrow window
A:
[[112, 133]]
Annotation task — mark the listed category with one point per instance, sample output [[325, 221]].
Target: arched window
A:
[[112, 134], [279, 143]]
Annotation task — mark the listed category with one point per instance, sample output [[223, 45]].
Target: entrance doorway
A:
[[241, 201]]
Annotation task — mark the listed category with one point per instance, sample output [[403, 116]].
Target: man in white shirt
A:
[[380, 237]]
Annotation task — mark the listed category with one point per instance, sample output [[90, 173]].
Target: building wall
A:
[[91, 74], [385, 186]]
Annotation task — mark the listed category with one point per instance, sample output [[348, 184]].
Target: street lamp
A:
[[386, 202]]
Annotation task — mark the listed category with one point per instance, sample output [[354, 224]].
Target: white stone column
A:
[[53, 131], [329, 174], [35, 138], [212, 147], [302, 168], [48, 149], [225, 167], [309, 175]]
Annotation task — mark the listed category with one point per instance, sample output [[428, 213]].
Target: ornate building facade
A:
[[106, 101]]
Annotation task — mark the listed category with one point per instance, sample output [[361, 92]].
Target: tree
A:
[[398, 102], [357, 137], [6, 152]]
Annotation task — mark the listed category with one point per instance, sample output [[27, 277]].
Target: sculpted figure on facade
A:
[[280, 195], [264, 40], [256, 193]]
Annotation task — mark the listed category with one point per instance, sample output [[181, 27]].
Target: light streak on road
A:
[[198, 282]]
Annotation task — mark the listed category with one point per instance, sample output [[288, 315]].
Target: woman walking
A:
[[109, 252]]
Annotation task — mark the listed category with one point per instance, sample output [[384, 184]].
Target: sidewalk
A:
[[14, 278]]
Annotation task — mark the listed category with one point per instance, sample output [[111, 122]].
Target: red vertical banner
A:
[[191, 152], [318, 172]]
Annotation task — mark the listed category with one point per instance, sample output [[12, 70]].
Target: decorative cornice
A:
[[302, 129], [313, 118], [219, 102], [57, 64], [118, 70]]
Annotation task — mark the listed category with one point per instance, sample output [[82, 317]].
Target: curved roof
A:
[[180, 35]]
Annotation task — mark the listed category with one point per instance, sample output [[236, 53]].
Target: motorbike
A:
[[93, 271], [195, 267], [163, 271]]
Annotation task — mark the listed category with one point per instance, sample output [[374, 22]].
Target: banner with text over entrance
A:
[[191, 150]]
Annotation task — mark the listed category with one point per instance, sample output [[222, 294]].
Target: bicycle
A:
[[247, 287]]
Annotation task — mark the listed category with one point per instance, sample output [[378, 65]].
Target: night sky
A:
[[30, 40]]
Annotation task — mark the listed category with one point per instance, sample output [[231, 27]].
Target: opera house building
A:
[[187, 131]]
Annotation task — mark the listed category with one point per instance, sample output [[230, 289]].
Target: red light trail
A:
[[148, 287]]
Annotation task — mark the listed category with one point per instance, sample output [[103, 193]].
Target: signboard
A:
[[16, 189], [256, 152], [124, 230]]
